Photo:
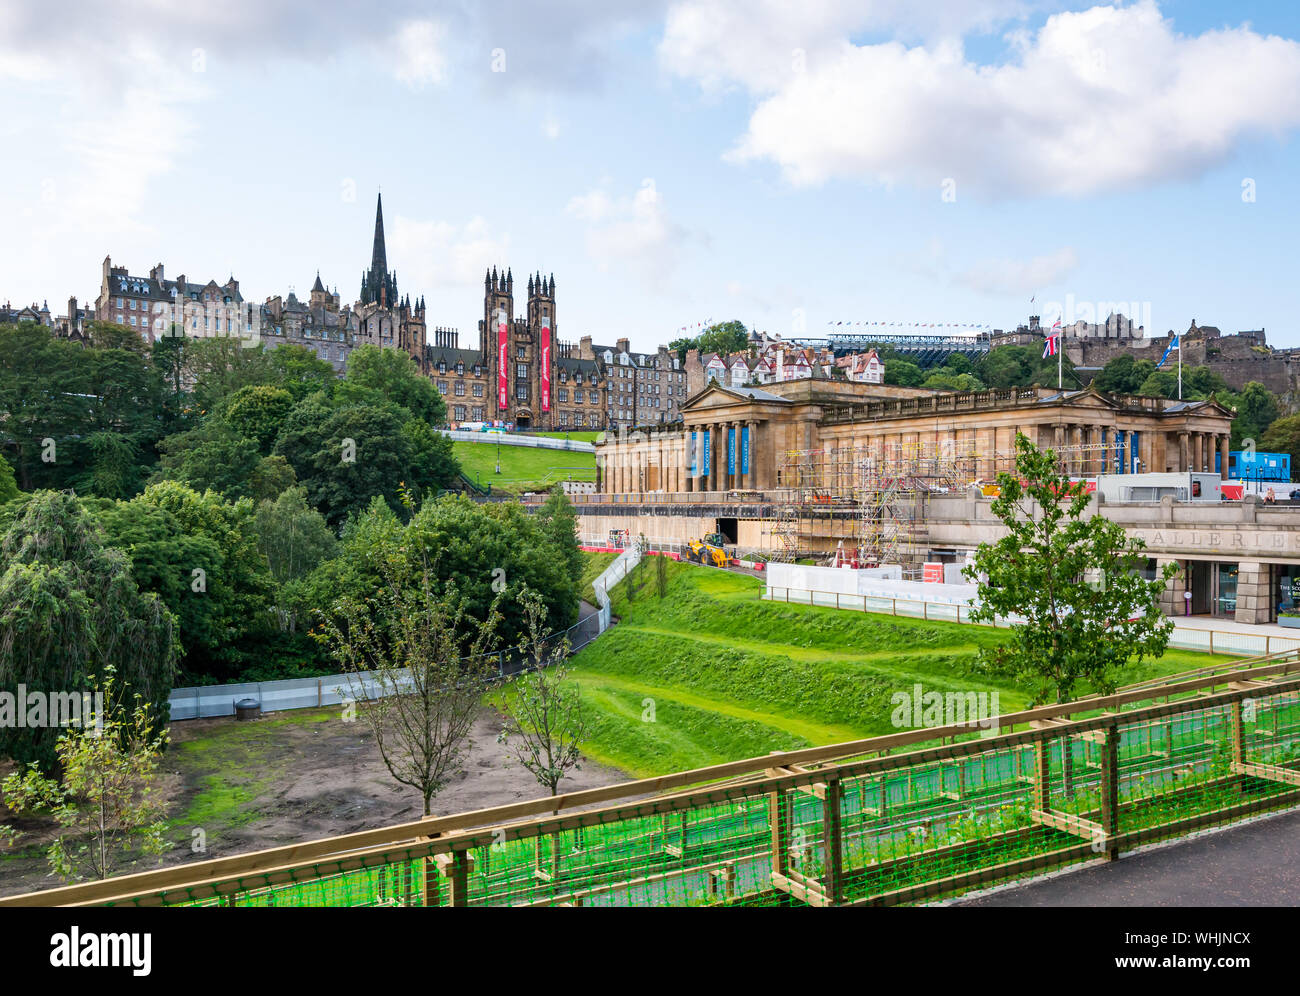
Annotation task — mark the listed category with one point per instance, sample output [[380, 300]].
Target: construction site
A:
[[866, 505]]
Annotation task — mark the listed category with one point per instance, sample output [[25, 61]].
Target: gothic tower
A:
[[378, 285]]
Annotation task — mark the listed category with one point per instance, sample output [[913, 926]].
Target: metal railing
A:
[[1210, 641]]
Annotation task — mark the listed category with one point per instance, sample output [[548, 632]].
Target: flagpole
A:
[[1060, 352], [1179, 340]]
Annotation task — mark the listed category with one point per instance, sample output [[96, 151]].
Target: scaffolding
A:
[[865, 504]]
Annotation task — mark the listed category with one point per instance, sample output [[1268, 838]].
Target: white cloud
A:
[[1011, 276], [444, 254], [418, 53], [636, 232], [1104, 99]]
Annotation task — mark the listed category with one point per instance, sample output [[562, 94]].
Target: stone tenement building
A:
[[319, 325], [156, 306]]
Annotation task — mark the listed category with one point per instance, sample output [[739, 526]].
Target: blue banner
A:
[[731, 450], [1104, 446], [706, 456], [694, 443], [744, 450], [1119, 451], [1134, 461]]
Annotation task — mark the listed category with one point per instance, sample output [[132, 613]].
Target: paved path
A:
[[1253, 865]]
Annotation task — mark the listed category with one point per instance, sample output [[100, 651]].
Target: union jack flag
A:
[[1053, 342]]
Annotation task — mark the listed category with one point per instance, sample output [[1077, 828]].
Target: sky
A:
[[800, 167]]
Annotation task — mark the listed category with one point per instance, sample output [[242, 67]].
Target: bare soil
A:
[[235, 787]]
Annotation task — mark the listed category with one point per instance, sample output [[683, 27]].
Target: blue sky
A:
[[672, 162]]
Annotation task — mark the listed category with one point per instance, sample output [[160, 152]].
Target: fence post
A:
[[925, 611], [1212, 641], [833, 877], [1110, 791], [1238, 733], [1042, 775], [457, 867]]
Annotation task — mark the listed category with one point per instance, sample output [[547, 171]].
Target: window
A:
[[521, 371], [478, 414], [460, 369], [460, 413], [478, 390], [562, 394], [519, 352], [577, 378], [442, 386], [594, 398], [521, 390], [460, 389], [564, 417]]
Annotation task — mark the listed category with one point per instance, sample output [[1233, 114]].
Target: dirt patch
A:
[[289, 777]]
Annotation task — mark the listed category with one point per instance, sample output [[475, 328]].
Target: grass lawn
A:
[[712, 673], [522, 468]]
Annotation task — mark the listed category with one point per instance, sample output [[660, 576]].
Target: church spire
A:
[[379, 286]]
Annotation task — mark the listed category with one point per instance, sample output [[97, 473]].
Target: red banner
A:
[[503, 359], [546, 364]]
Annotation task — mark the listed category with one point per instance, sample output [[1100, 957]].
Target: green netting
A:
[[940, 820]]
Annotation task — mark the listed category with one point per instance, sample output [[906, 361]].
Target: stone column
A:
[[1254, 592], [1184, 451], [752, 478], [1223, 440], [1171, 599], [711, 477]]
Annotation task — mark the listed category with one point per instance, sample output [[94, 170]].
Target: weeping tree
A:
[[417, 665], [69, 609]]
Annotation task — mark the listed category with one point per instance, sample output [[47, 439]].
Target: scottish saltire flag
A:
[[1173, 344]]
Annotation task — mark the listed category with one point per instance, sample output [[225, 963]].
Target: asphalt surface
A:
[[1253, 865]]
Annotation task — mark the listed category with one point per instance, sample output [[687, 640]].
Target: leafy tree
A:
[[959, 363], [219, 366], [257, 412], [1256, 411], [944, 379], [417, 668], [559, 528], [375, 375], [903, 373], [105, 801], [1005, 367], [8, 485], [70, 608], [724, 337], [233, 575], [544, 724], [212, 456], [1161, 384], [292, 535], [1283, 436], [300, 371], [1072, 577], [1201, 382], [1124, 374], [271, 476]]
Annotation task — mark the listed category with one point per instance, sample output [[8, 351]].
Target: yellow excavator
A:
[[710, 550]]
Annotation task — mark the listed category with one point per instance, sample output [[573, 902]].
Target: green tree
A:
[[1074, 579], [292, 535], [8, 485], [376, 375], [70, 608], [1160, 384], [903, 373], [417, 667], [723, 337], [1124, 374], [1005, 367], [1283, 436], [1256, 411], [944, 379], [212, 456], [257, 412], [105, 800], [543, 721], [300, 371]]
